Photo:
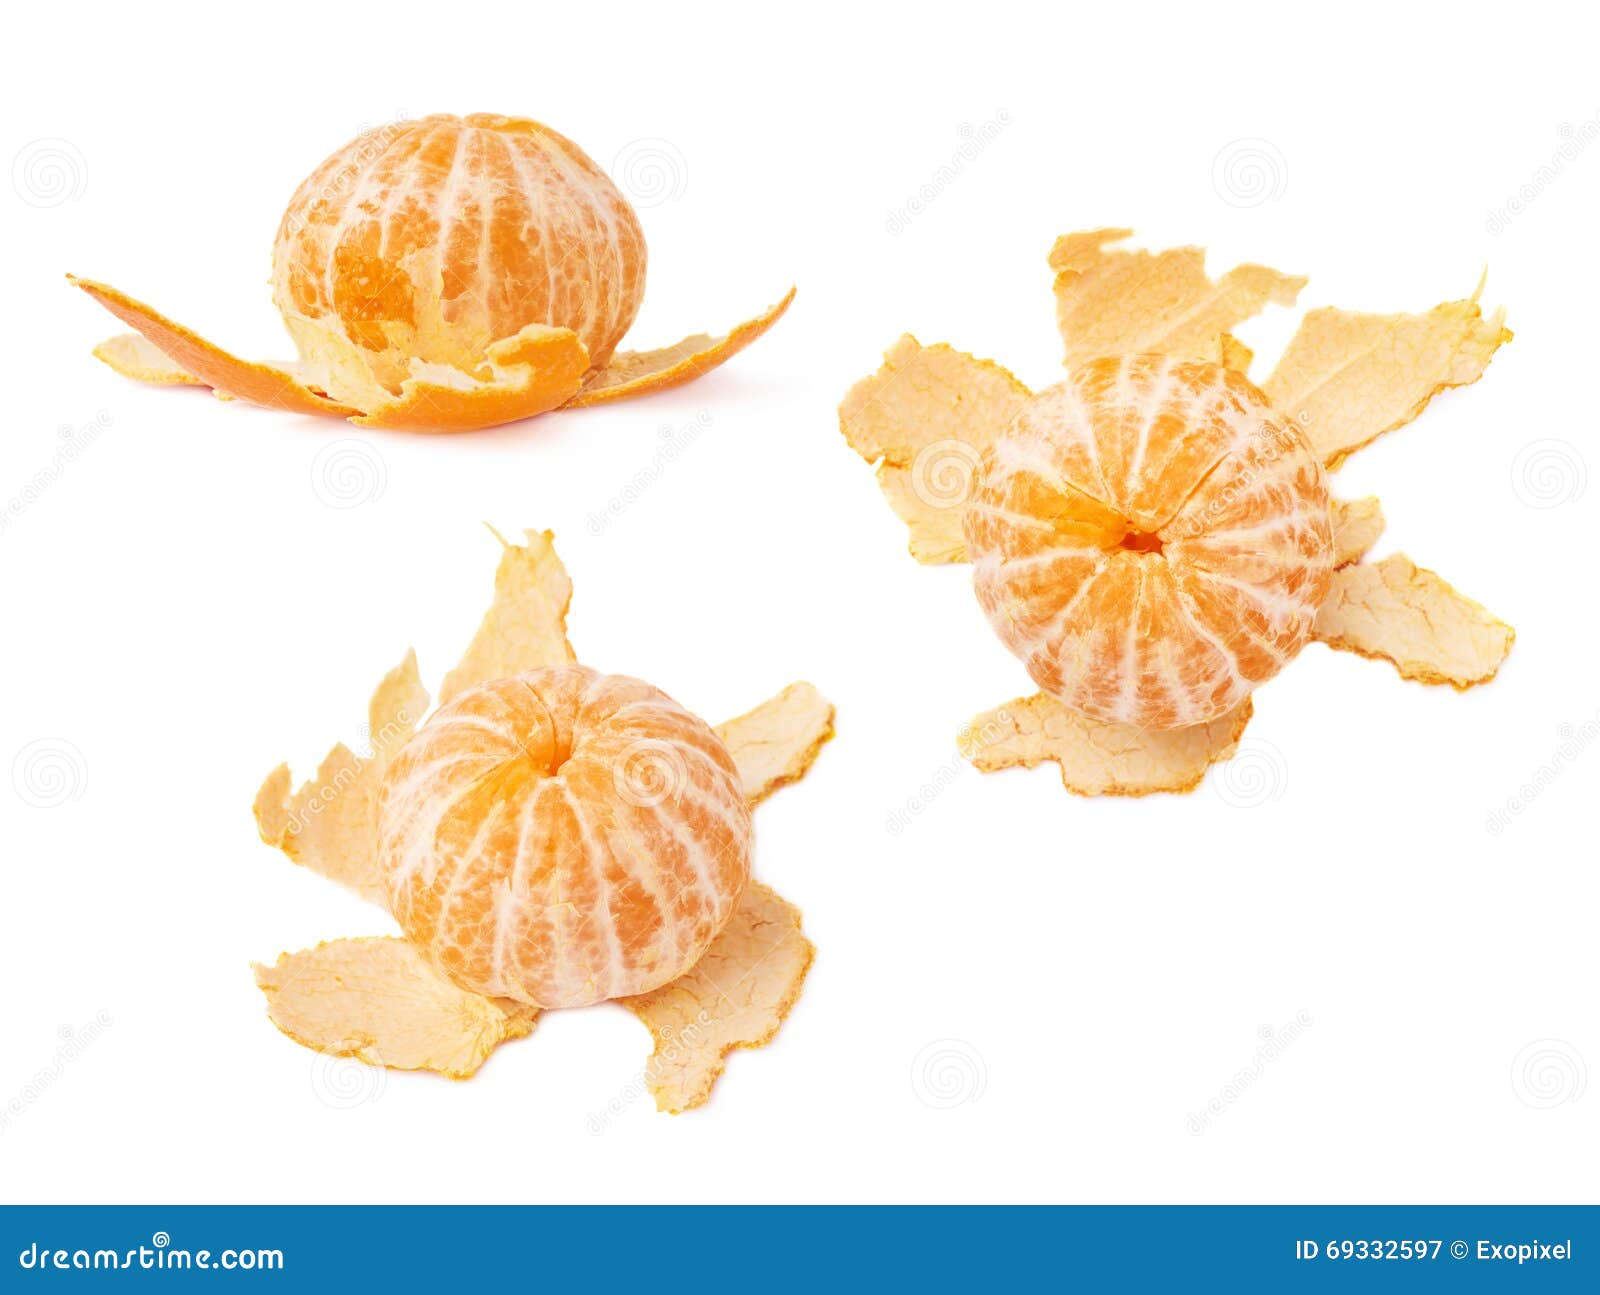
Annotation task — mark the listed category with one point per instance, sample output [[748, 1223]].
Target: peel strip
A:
[[776, 743], [330, 824], [1357, 526], [1122, 302], [637, 373], [260, 384], [531, 373], [378, 1000], [925, 418], [135, 356], [1099, 759], [736, 997], [526, 624], [1409, 616], [1347, 378]]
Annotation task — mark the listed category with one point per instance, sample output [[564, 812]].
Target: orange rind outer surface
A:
[[529, 374], [260, 384], [637, 373]]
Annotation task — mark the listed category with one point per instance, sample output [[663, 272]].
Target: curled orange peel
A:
[[927, 417], [380, 1000], [531, 373], [638, 373], [204, 362], [445, 274]]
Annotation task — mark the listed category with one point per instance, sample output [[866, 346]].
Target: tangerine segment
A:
[[924, 418], [378, 1000], [1122, 302], [260, 384], [1357, 524], [330, 824], [135, 356], [1099, 759], [526, 624], [1151, 539], [535, 371], [435, 239], [774, 744], [637, 373], [736, 997], [563, 837], [1346, 378], [1406, 614]]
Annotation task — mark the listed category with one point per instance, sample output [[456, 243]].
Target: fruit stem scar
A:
[[1141, 541]]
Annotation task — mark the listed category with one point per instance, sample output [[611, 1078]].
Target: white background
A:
[[187, 603]]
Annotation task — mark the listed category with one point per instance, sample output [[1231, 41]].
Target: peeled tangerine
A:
[[443, 274], [1152, 539], [1153, 536], [563, 837], [550, 837]]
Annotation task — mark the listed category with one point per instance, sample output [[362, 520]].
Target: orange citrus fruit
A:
[[563, 837], [434, 239], [1152, 539]]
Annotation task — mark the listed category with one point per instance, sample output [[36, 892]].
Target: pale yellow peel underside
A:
[[1099, 759], [924, 418]]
